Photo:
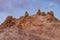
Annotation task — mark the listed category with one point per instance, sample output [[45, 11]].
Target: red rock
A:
[[50, 13], [38, 12], [40, 26], [26, 14]]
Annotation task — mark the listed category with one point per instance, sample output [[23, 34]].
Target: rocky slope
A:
[[40, 26]]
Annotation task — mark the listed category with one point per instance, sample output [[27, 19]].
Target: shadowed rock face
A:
[[10, 21], [50, 13], [26, 14], [38, 12], [41, 26]]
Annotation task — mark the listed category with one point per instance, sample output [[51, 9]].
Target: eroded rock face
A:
[[43, 14], [50, 13], [10, 21], [41, 26], [26, 14], [38, 12]]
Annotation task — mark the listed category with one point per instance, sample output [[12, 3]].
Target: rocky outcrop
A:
[[38, 12], [50, 13], [10, 21], [26, 14], [40, 26], [43, 14]]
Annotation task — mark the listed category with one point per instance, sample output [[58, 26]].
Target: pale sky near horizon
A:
[[17, 8]]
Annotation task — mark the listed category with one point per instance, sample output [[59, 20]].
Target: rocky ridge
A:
[[40, 26]]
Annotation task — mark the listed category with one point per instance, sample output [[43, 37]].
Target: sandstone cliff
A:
[[40, 26]]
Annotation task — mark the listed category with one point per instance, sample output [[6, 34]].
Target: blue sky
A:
[[17, 8]]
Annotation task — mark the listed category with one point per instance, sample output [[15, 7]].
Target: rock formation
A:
[[10, 21], [50, 13], [26, 14], [43, 14], [38, 12], [41, 26]]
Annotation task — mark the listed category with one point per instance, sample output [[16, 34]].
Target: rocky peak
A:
[[26, 14], [41, 26], [9, 21], [51, 13], [38, 12], [9, 18], [43, 14]]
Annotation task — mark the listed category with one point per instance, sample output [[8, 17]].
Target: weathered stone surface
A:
[[38, 12], [26, 14], [43, 14], [51, 13], [10, 21], [40, 26]]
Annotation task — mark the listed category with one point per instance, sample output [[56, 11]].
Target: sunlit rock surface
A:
[[40, 26]]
